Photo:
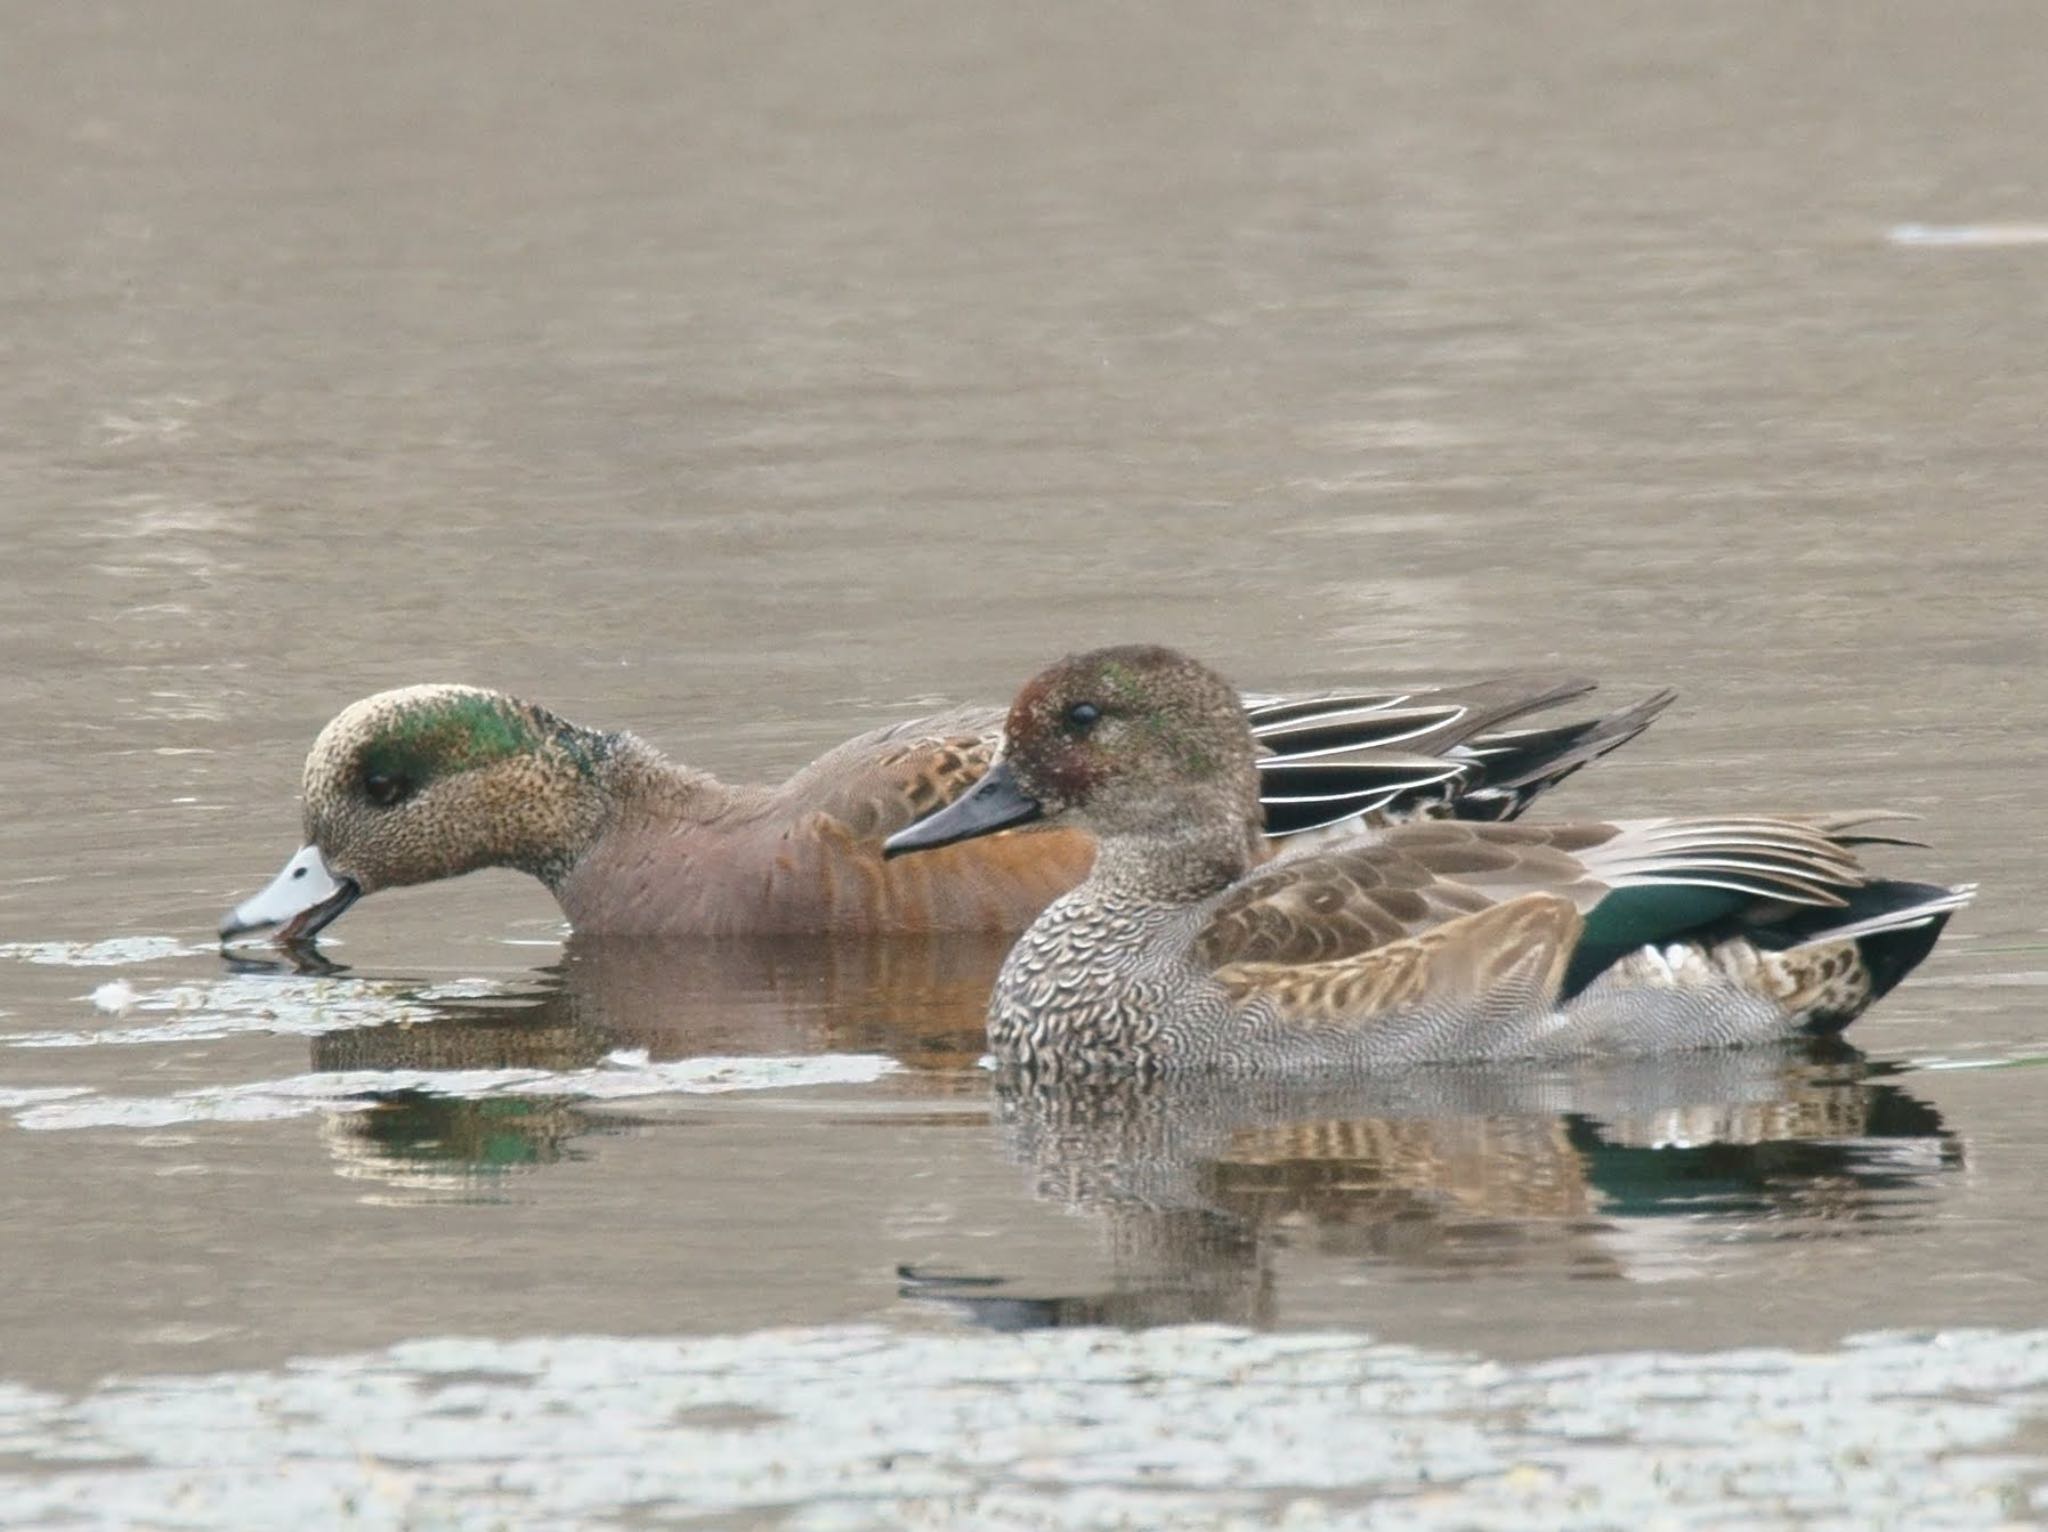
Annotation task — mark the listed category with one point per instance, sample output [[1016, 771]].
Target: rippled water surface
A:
[[746, 376]]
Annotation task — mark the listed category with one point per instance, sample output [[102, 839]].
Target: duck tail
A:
[[1518, 764], [1336, 757], [1893, 923]]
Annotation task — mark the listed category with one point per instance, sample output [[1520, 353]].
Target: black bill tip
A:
[[994, 803]]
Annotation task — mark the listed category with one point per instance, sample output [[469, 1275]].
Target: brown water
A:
[[749, 375]]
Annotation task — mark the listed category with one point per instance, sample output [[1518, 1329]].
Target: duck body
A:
[[1418, 943], [429, 782], [687, 858], [1105, 984]]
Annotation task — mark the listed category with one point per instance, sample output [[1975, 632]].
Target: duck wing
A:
[[1418, 886]]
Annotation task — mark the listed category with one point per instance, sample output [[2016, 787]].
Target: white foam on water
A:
[[11, 1098], [1968, 235], [114, 997], [622, 1076], [239, 1004], [228, 1005], [857, 1428], [111, 953]]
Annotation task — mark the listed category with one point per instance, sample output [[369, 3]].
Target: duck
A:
[[1431, 941], [428, 782]]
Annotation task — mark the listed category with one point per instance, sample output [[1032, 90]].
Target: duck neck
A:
[[631, 786], [1175, 865]]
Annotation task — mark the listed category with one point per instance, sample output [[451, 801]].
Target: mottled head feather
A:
[[429, 781], [1134, 737]]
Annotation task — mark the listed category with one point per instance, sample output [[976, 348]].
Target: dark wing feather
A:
[[1424, 721], [1391, 755], [1511, 767]]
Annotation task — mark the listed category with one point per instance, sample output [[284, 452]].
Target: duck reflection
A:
[[420, 1147], [1622, 1170], [1618, 1171], [918, 1000]]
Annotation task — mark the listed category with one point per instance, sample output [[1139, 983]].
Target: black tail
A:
[[1893, 923], [1514, 766]]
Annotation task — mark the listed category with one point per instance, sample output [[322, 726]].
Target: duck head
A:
[[430, 782], [1134, 742]]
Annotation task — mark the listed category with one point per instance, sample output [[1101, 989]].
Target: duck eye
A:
[[384, 790], [1082, 715]]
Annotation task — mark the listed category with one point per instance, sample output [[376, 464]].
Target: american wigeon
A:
[[1424, 942], [428, 782]]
